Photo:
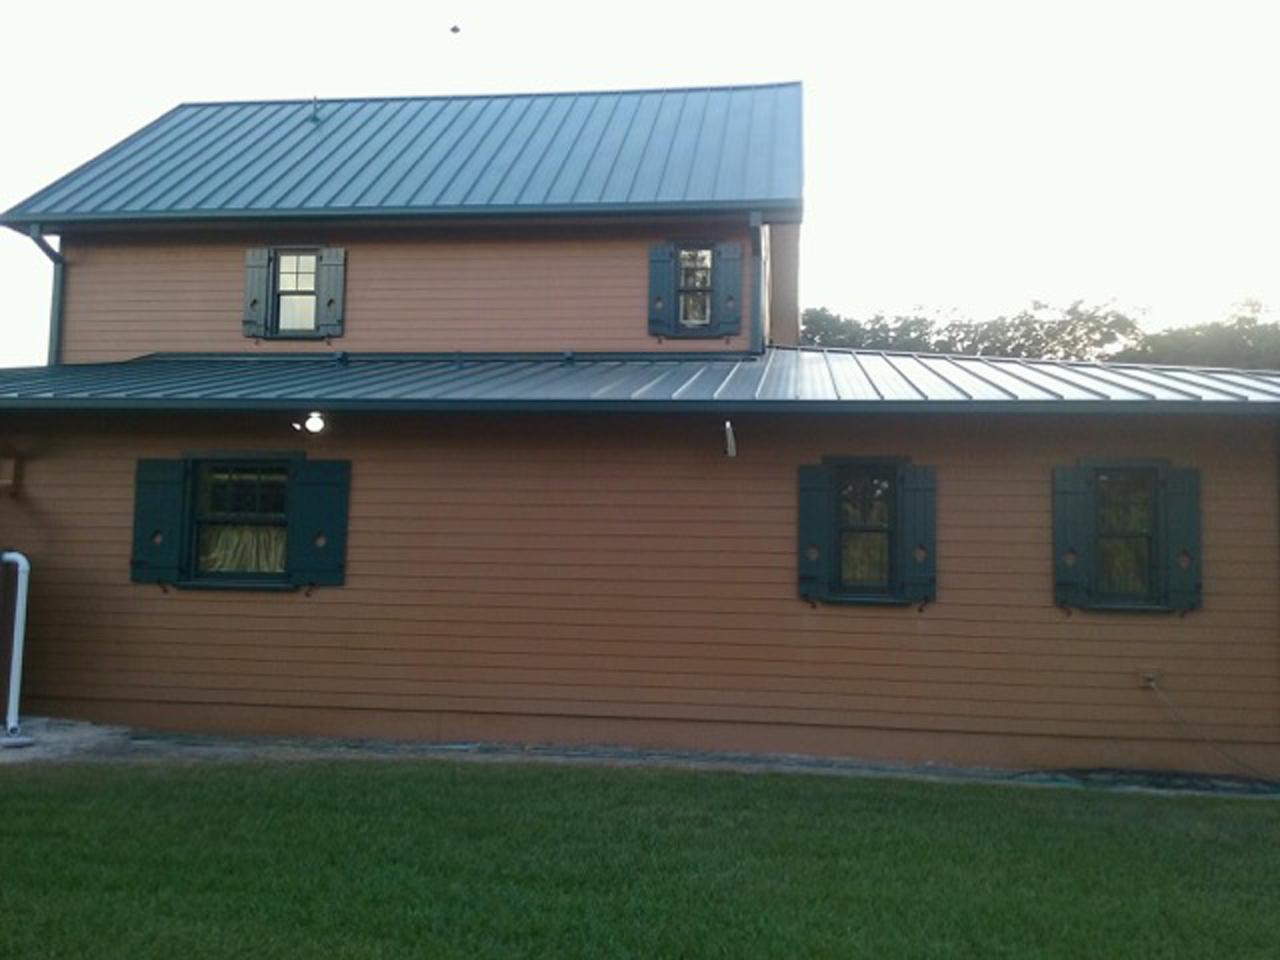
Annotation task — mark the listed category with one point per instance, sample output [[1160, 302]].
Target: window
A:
[[294, 292], [1127, 536], [270, 522], [241, 519], [865, 519], [866, 531], [1125, 518], [695, 290], [295, 306]]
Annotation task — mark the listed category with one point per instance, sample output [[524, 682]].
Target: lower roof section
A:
[[782, 379]]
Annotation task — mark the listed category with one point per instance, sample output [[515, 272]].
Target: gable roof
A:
[[783, 379], [676, 150]]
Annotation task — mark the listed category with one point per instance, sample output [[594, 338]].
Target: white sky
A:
[[964, 156]]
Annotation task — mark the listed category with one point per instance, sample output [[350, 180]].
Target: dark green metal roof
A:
[[679, 150], [780, 379]]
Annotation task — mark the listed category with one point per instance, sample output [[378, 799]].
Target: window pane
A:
[[271, 492], [250, 490], [241, 548], [1124, 567], [864, 559], [1124, 500], [306, 282], [298, 312], [866, 497], [695, 309], [306, 263], [695, 269], [288, 281], [288, 263], [215, 491], [244, 494]]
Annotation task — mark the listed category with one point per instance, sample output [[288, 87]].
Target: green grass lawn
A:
[[441, 859]]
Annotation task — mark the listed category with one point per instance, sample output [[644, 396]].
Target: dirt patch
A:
[[74, 741]]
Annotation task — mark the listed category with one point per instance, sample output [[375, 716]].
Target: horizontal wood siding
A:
[[620, 579], [584, 291]]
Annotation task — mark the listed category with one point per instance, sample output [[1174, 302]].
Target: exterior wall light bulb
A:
[[314, 422]]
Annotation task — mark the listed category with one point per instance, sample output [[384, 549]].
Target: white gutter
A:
[[12, 737]]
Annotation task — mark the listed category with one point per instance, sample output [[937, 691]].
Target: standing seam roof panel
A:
[[127, 155], [390, 158], [483, 187], [299, 139], [832, 379], [564, 185], [664, 149], [301, 173], [445, 129], [115, 190], [598, 170], [622, 178], [463, 152], [255, 134], [729, 180], [709, 146]]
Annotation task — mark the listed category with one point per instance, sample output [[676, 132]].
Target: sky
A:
[[961, 159]]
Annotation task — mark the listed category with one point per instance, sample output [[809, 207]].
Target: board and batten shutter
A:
[[1072, 535], [1182, 538], [317, 548], [159, 521], [331, 272], [257, 291], [917, 533], [726, 288], [814, 524], [662, 289]]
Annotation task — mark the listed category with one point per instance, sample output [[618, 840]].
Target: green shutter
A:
[[318, 521], [159, 521], [726, 288], [662, 290], [330, 286], [917, 533], [1072, 535], [257, 291], [815, 547], [1181, 545]]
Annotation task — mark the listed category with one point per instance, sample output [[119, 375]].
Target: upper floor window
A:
[[1126, 535], [295, 306], [294, 292], [695, 290]]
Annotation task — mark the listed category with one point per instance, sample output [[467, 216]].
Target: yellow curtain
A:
[[242, 548]]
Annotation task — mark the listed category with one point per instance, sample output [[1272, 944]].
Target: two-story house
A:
[[486, 418]]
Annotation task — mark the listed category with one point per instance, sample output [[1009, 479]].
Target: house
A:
[[486, 418]]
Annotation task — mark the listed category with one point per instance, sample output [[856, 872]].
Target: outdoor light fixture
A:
[[313, 424], [730, 441]]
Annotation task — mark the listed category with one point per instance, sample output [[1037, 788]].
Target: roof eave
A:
[[774, 210], [667, 406]]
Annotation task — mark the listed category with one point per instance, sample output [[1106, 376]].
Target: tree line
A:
[[1078, 331]]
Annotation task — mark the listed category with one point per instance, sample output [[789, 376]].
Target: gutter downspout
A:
[[12, 737], [55, 306], [757, 283]]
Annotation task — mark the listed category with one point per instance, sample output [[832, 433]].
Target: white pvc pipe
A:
[[19, 634]]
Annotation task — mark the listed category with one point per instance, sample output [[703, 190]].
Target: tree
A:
[[821, 327], [1242, 340], [1077, 332]]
